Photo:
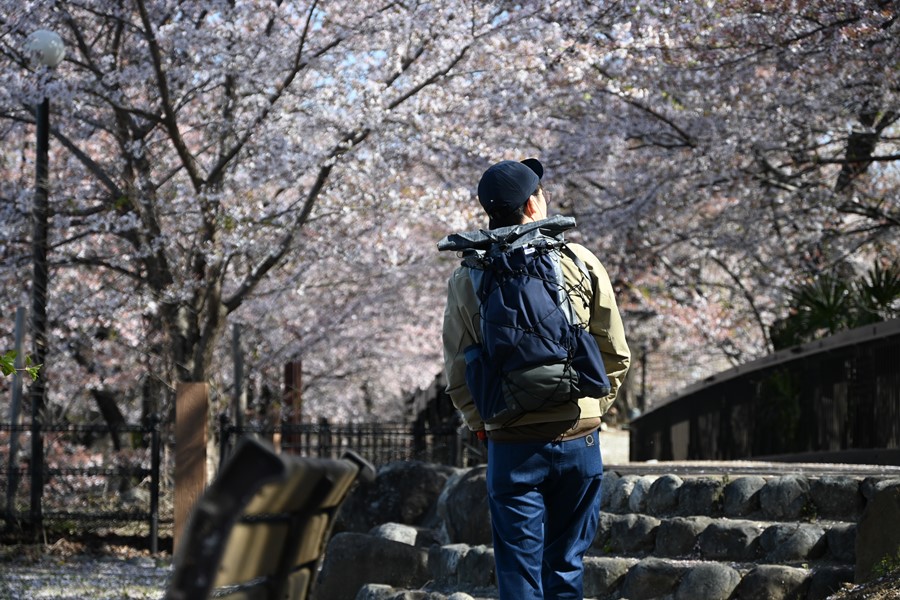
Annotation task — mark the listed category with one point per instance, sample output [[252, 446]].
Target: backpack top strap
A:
[[483, 239]]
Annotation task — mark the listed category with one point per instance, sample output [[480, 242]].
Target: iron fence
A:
[[836, 399], [72, 483], [379, 443]]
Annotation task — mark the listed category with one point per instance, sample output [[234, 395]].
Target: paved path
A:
[[738, 467], [614, 443]]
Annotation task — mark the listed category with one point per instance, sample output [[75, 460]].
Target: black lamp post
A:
[[48, 50]]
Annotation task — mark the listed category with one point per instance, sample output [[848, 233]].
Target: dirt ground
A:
[[885, 588]]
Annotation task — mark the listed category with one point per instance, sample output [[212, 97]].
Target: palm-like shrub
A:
[[830, 303]]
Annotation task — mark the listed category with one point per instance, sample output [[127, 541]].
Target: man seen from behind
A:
[[545, 467]]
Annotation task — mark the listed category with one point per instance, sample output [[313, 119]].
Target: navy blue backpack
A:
[[533, 352]]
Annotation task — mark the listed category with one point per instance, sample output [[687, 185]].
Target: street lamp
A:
[[47, 48]]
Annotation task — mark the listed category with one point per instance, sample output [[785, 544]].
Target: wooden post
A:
[[239, 401], [191, 406], [292, 406], [642, 399]]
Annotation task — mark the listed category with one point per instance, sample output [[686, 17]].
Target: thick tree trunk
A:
[[193, 337], [109, 410]]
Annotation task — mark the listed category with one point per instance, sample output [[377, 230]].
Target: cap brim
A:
[[535, 165]]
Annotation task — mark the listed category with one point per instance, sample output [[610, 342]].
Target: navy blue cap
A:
[[508, 184]]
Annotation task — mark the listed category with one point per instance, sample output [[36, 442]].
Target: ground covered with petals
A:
[[74, 571], [884, 588]]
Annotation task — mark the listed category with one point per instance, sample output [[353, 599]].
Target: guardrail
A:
[[837, 399]]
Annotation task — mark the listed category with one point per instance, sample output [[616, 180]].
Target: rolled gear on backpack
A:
[[534, 353]]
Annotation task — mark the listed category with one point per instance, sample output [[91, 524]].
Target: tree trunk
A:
[[109, 410]]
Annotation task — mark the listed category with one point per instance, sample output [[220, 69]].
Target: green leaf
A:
[[8, 365], [33, 371], [829, 303]]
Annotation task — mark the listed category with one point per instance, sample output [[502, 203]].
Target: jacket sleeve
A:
[[605, 325], [461, 323]]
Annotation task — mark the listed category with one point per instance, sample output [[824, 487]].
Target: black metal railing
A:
[[90, 491], [78, 484], [838, 397], [379, 443]]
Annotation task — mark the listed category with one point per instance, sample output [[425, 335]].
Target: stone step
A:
[[468, 574], [782, 497], [654, 577], [668, 531], [723, 539]]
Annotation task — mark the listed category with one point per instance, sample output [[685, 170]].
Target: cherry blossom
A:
[[289, 166]]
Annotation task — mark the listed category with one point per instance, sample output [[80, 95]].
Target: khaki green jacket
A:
[[462, 328]]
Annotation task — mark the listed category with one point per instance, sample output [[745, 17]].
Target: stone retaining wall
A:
[[709, 536]]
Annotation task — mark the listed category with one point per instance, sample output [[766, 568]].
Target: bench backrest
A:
[[260, 529]]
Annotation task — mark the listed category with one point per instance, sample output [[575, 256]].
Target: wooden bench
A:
[[260, 529]]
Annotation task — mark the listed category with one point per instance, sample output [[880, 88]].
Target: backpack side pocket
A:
[[483, 384], [588, 362]]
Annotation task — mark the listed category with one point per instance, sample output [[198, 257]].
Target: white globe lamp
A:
[[46, 46]]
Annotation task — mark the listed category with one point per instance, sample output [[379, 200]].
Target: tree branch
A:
[[169, 119], [217, 171], [349, 141], [682, 134]]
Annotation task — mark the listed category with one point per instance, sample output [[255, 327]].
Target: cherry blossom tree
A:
[[288, 166], [203, 146], [744, 147]]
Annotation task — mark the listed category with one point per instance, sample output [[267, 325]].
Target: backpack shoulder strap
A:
[[578, 263]]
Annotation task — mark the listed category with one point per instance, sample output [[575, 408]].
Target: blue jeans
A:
[[544, 500]]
